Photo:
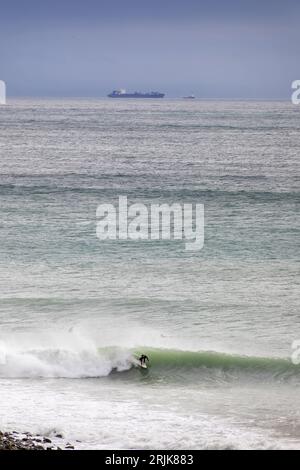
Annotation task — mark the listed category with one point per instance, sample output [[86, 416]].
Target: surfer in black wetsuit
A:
[[143, 359]]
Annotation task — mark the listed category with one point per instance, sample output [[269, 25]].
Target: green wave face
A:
[[187, 360]]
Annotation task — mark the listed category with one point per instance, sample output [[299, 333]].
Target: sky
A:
[[215, 49]]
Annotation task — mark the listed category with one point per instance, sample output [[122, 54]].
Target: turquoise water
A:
[[218, 324]]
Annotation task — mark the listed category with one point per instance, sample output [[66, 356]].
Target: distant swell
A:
[[261, 196]]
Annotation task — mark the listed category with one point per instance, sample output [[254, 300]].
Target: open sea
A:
[[217, 324]]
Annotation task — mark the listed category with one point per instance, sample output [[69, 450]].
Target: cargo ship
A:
[[123, 94]]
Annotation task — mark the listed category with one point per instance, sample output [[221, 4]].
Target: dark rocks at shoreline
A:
[[10, 441], [26, 441]]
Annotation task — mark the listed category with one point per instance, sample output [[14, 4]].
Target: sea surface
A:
[[217, 324]]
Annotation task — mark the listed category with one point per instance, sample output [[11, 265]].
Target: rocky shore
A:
[[26, 441]]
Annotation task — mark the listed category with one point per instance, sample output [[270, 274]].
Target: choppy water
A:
[[218, 324]]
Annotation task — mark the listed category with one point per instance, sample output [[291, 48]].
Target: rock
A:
[[27, 441]]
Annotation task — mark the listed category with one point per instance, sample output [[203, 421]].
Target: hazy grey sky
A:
[[213, 48]]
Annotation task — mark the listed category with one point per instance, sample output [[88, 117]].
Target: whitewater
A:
[[218, 325]]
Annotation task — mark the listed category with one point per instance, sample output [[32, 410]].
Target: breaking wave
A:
[[164, 363]]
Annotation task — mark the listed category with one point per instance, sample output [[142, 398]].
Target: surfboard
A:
[[143, 366], [137, 363]]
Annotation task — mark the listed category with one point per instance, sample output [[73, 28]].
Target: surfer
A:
[[143, 359]]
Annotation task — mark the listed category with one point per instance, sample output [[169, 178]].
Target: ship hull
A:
[[133, 95]]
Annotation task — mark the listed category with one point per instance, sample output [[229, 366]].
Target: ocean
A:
[[219, 324]]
